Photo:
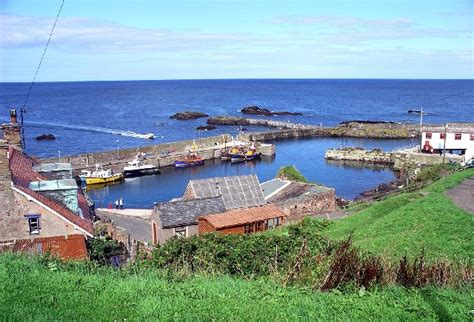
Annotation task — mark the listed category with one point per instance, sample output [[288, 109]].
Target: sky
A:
[[222, 39]]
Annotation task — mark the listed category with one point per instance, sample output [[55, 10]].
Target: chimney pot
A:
[[13, 116]]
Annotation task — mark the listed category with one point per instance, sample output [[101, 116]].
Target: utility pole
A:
[[444, 144], [117, 149], [421, 120]]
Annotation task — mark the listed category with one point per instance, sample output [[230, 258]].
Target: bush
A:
[[291, 173]]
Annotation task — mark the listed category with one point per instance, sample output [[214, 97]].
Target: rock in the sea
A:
[[188, 115], [228, 120], [48, 137], [255, 110], [206, 128]]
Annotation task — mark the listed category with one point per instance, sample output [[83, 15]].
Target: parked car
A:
[[469, 163]]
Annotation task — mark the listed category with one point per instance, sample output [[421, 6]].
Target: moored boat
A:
[[227, 155], [251, 154], [237, 157], [189, 161], [99, 176], [136, 168]]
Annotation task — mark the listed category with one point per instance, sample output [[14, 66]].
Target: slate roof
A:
[[236, 191], [186, 212], [21, 168], [239, 217]]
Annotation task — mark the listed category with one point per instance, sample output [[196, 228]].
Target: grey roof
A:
[[236, 191], [272, 186], [297, 191], [186, 212], [52, 167]]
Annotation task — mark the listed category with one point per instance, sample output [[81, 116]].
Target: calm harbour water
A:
[[96, 116]]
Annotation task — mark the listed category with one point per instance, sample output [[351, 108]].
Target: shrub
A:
[[291, 173]]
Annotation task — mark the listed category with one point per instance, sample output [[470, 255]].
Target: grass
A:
[[31, 290], [410, 222], [290, 172]]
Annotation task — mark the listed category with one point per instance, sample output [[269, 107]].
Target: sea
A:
[[106, 115]]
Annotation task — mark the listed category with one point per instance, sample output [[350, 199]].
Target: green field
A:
[[36, 288], [31, 290], [409, 222]]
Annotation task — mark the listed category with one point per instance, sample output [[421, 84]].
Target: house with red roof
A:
[[39, 203]]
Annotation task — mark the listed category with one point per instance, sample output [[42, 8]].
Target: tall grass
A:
[[31, 290]]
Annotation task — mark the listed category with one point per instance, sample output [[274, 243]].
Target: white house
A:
[[456, 136]]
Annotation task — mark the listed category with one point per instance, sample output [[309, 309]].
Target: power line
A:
[[23, 108]]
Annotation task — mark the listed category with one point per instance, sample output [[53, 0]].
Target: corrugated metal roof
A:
[[241, 217], [272, 186], [236, 191], [65, 247], [186, 212]]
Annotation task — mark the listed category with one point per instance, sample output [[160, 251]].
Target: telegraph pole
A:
[[444, 144]]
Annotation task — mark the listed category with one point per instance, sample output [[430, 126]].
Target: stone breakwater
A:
[[353, 129], [399, 160], [359, 154], [161, 155]]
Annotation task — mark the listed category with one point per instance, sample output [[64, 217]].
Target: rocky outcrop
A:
[[46, 137], [206, 128], [227, 120], [187, 115], [255, 110]]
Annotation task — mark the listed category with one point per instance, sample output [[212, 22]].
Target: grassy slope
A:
[[31, 291], [406, 223]]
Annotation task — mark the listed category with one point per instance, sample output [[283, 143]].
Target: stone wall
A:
[[14, 225], [7, 200], [359, 154], [160, 154], [312, 204]]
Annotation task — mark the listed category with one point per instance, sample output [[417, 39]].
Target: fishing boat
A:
[[227, 155], [237, 157], [252, 154], [189, 161], [137, 168], [99, 176]]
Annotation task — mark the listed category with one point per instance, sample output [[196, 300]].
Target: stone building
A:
[[32, 205], [180, 218], [298, 199], [243, 221]]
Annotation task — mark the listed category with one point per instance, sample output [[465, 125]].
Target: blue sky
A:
[[185, 39]]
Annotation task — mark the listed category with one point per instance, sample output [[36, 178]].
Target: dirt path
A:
[[463, 195]]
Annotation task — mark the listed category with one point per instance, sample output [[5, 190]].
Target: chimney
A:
[[12, 131], [13, 116]]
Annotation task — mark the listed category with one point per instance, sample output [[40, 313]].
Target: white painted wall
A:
[[451, 144]]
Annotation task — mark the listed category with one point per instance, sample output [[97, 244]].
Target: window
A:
[[442, 136], [428, 135], [180, 231], [270, 224], [457, 136], [472, 137], [34, 224]]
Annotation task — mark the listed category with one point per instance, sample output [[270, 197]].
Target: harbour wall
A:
[[161, 155], [398, 160]]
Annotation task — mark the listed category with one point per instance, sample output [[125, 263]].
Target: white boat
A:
[[137, 168]]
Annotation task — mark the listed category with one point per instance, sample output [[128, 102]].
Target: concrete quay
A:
[[161, 155]]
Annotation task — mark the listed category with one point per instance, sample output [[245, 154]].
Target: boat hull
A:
[[140, 172], [237, 158], [97, 180], [187, 164]]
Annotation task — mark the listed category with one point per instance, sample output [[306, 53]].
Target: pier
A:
[[161, 155]]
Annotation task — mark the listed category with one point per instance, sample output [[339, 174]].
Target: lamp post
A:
[[117, 148], [444, 144]]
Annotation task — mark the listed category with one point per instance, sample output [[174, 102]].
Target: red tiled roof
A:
[[65, 247], [21, 168], [241, 217]]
